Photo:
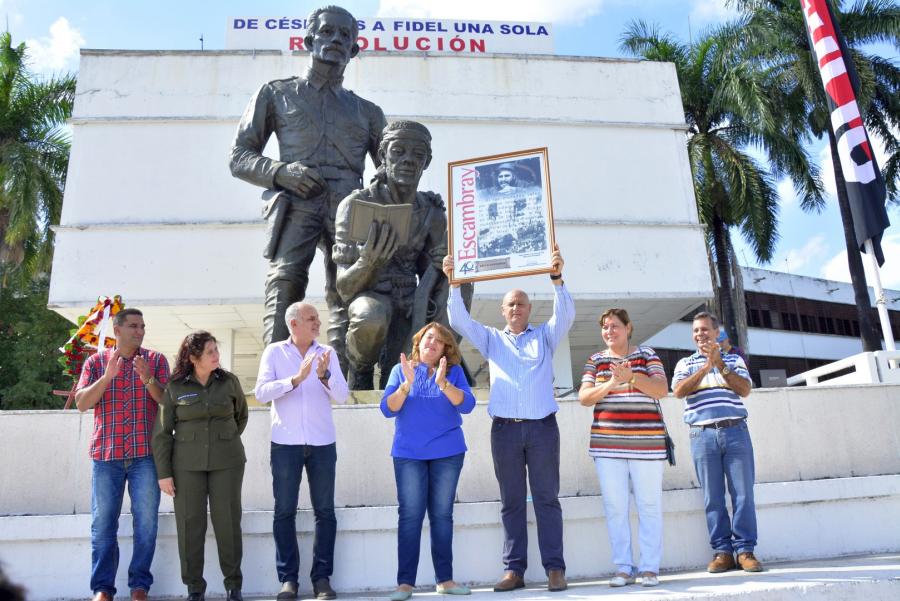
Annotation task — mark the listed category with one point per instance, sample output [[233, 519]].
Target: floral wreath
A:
[[85, 340]]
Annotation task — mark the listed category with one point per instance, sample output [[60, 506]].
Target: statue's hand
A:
[[380, 246], [300, 179]]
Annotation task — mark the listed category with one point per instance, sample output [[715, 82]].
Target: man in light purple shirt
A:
[[300, 378]]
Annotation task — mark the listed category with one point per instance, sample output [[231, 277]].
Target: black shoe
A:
[[288, 591], [196, 597], [322, 589], [234, 595]]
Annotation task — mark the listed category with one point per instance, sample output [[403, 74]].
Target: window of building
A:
[[844, 328], [753, 317], [808, 323], [789, 322]]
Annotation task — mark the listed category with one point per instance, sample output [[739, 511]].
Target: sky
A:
[[54, 30]]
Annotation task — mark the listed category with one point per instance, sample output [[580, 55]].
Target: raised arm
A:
[[563, 316], [563, 306]]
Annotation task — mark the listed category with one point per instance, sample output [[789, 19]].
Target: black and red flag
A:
[[865, 185]]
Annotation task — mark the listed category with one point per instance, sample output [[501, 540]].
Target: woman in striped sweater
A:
[[628, 442]]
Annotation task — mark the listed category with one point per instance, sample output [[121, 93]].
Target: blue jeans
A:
[[426, 484], [107, 490], [529, 449], [287, 471], [718, 455]]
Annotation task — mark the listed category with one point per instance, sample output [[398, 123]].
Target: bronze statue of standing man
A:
[[324, 133]]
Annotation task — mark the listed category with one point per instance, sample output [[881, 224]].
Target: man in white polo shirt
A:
[[712, 384]]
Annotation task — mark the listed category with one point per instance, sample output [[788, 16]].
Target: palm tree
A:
[[731, 106], [775, 28], [34, 154]]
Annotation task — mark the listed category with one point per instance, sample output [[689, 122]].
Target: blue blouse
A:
[[428, 425]]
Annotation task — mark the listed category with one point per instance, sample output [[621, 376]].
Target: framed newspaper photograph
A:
[[500, 217]]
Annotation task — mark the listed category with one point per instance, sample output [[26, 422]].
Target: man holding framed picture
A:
[[524, 433]]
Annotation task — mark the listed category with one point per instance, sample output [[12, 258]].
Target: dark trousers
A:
[[529, 448], [287, 463], [223, 489]]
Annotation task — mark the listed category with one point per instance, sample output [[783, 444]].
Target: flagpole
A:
[[880, 300]]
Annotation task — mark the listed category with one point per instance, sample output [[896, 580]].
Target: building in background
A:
[[795, 323]]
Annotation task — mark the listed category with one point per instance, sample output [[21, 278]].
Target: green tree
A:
[[776, 32], [30, 336], [34, 155], [731, 106]]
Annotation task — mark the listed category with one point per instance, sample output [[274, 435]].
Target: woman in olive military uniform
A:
[[198, 453]]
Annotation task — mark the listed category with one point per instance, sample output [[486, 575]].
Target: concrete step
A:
[[861, 578]]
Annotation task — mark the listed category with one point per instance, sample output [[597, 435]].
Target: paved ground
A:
[[869, 578]]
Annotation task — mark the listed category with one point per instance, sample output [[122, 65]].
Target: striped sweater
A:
[[627, 423], [713, 400]]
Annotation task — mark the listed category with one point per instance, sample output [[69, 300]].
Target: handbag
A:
[[670, 446]]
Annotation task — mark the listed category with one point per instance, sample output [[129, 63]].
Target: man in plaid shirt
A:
[[123, 386]]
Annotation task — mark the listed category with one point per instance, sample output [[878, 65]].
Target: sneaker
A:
[[748, 562], [722, 562], [621, 579], [649, 579]]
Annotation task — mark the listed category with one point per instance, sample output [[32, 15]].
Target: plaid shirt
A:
[[124, 416]]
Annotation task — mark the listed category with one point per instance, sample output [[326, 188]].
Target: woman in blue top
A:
[[427, 394]]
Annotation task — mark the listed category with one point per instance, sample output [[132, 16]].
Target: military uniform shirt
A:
[[199, 427]]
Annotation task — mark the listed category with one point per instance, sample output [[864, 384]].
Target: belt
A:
[[516, 420], [725, 423]]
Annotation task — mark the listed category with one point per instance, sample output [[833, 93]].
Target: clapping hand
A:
[[305, 367], [440, 374], [112, 368], [621, 372], [713, 353], [324, 362], [406, 366], [142, 367]]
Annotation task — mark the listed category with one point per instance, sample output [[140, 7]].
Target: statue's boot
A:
[[362, 379], [280, 294]]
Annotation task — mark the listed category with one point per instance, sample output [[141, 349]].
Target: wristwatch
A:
[[150, 381], [326, 375], [446, 384], [726, 370]]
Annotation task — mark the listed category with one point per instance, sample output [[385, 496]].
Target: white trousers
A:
[[617, 477]]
